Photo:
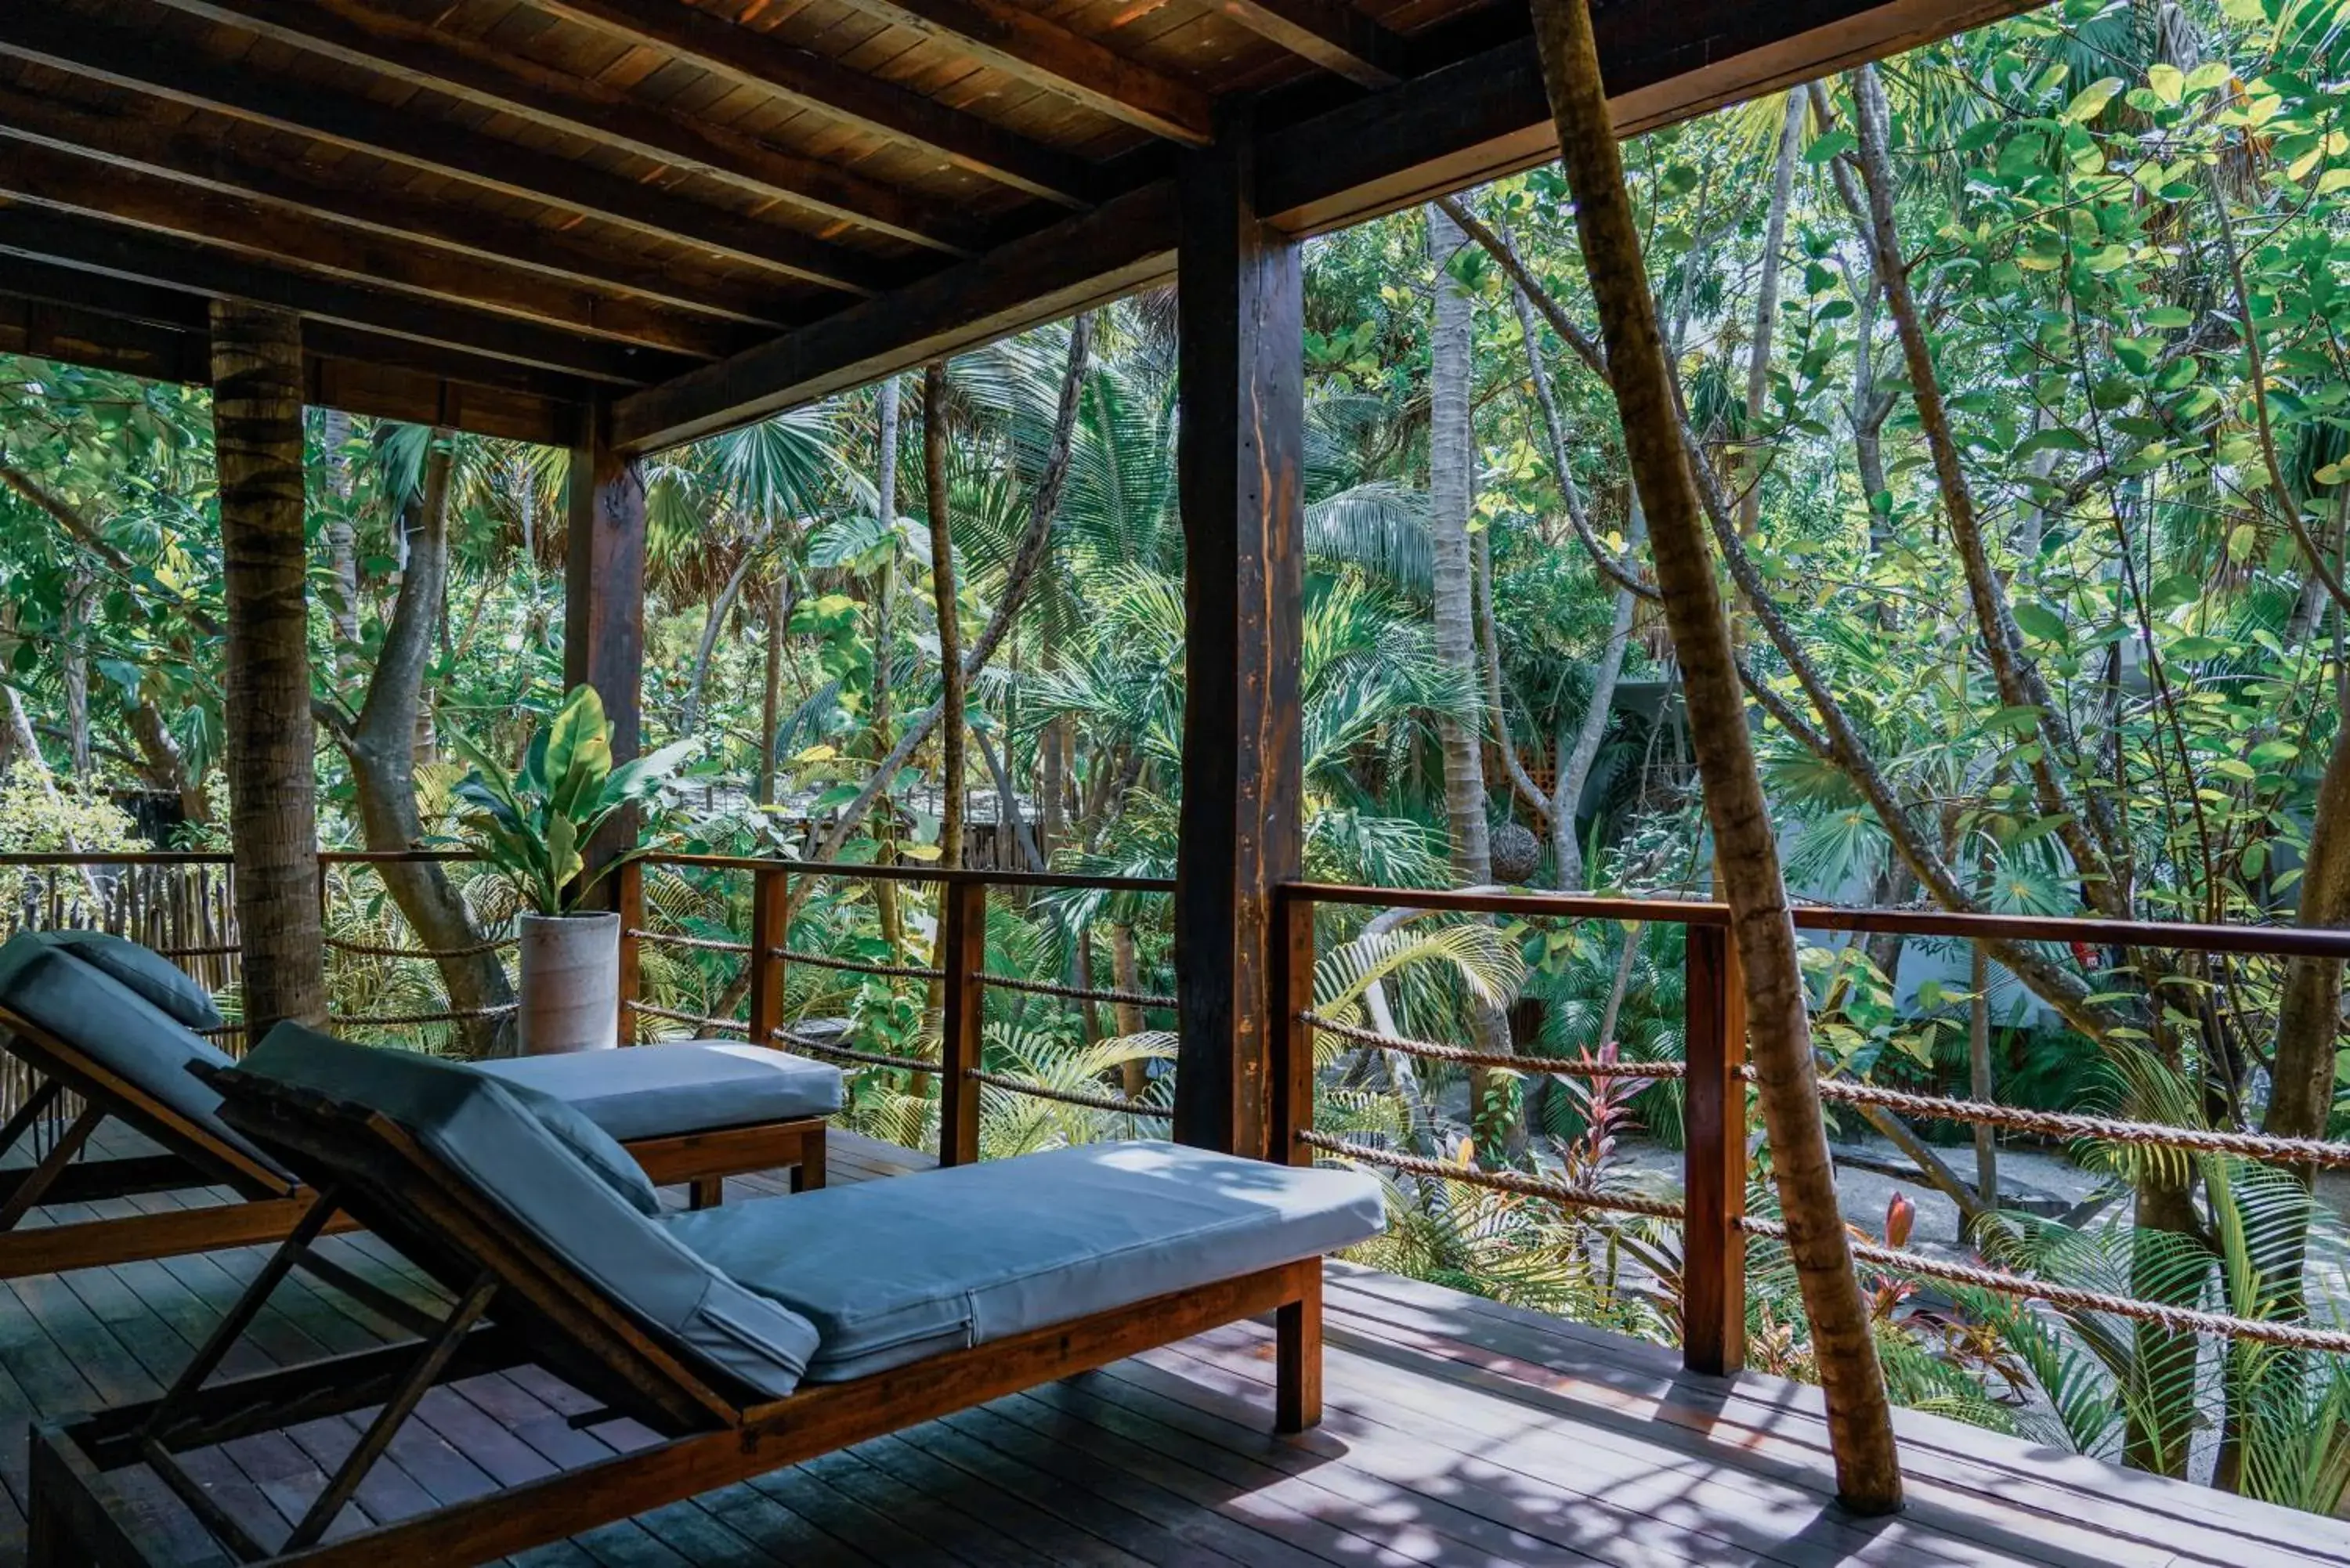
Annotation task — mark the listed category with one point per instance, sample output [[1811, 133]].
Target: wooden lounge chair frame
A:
[[517, 1302], [271, 1206]]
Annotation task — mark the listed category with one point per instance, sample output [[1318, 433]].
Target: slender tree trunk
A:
[[771, 699], [1126, 974], [166, 764], [380, 748], [272, 778], [952, 764], [1035, 545], [1452, 482], [712, 623], [1860, 1427], [885, 489], [1766, 312], [77, 679], [342, 544], [1980, 1076]]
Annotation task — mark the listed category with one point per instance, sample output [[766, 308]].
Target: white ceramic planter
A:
[[570, 983]]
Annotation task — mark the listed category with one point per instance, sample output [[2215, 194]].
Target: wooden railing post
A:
[[1713, 1250], [963, 955], [1290, 1037], [629, 898], [771, 903]]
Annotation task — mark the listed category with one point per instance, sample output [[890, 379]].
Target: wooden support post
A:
[[627, 896], [771, 903], [1292, 1037], [273, 789], [963, 955], [604, 608], [1713, 1250], [1240, 437]]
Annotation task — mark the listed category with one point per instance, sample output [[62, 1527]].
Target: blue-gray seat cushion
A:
[[51, 983], [688, 1086], [891, 1272], [478, 1128]]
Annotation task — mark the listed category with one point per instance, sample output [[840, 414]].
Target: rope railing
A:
[[699, 1020], [1075, 992], [1071, 1096], [2178, 1319], [2072, 1124], [845, 1054], [377, 950], [446, 1015], [680, 940], [1586, 1067], [1573, 1194], [857, 966]]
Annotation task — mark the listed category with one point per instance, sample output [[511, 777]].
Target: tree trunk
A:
[[771, 700], [380, 748], [271, 780], [1868, 1475], [1452, 482], [885, 492], [77, 679], [1766, 312], [712, 623], [342, 544], [952, 764], [1035, 545], [167, 765], [1126, 974]]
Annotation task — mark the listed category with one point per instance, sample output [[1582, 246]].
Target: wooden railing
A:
[[1713, 1075], [1715, 1227], [959, 971]]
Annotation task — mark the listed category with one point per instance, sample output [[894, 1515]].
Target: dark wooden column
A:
[[272, 785], [604, 602], [1238, 460]]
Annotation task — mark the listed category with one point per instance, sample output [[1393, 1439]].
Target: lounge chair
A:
[[747, 1337], [115, 1026]]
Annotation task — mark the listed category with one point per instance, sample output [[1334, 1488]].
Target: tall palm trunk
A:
[[380, 748], [1860, 1427], [271, 780], [1766, 309], [1451, 482], [77, 678], [885, 487], [951, 761]]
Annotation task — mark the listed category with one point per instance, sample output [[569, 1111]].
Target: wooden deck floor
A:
[[1459, 1433]]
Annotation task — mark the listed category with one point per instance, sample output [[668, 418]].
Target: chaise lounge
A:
[[748, 1338], [115, 1026]]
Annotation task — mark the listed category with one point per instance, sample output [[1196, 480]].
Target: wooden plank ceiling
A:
[[493, 214]]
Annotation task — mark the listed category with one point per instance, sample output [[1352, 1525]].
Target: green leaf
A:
[[2169, 82], [2090, 101], [1833, 143], [2039, 622]]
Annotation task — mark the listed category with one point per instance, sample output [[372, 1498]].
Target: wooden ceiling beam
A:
[[1487, 115], [70, 182], [1026, 48], [1077, 264], [1480, 118], [817, 82], [144, 142], [415, 52], [92, 297], [1330, 33], [41, 235], [71, 44]]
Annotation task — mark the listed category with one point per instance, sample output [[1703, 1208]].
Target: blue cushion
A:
[[891, 1272], [144, 970], [687, 1086], [483, 1134], [46, 983]]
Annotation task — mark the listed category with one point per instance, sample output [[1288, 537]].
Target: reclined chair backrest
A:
[[469, 1177], [97, 1007]]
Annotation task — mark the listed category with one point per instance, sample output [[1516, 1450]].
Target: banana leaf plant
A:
[[532, 825]]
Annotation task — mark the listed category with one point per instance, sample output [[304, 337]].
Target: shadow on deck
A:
[[1460, 1432]]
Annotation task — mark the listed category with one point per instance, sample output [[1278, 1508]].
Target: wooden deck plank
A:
[[1461, 1433]]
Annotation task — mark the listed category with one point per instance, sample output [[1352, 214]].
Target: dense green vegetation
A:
[[2013, 371]]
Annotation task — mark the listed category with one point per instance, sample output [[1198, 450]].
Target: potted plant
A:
[[532, 827]]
